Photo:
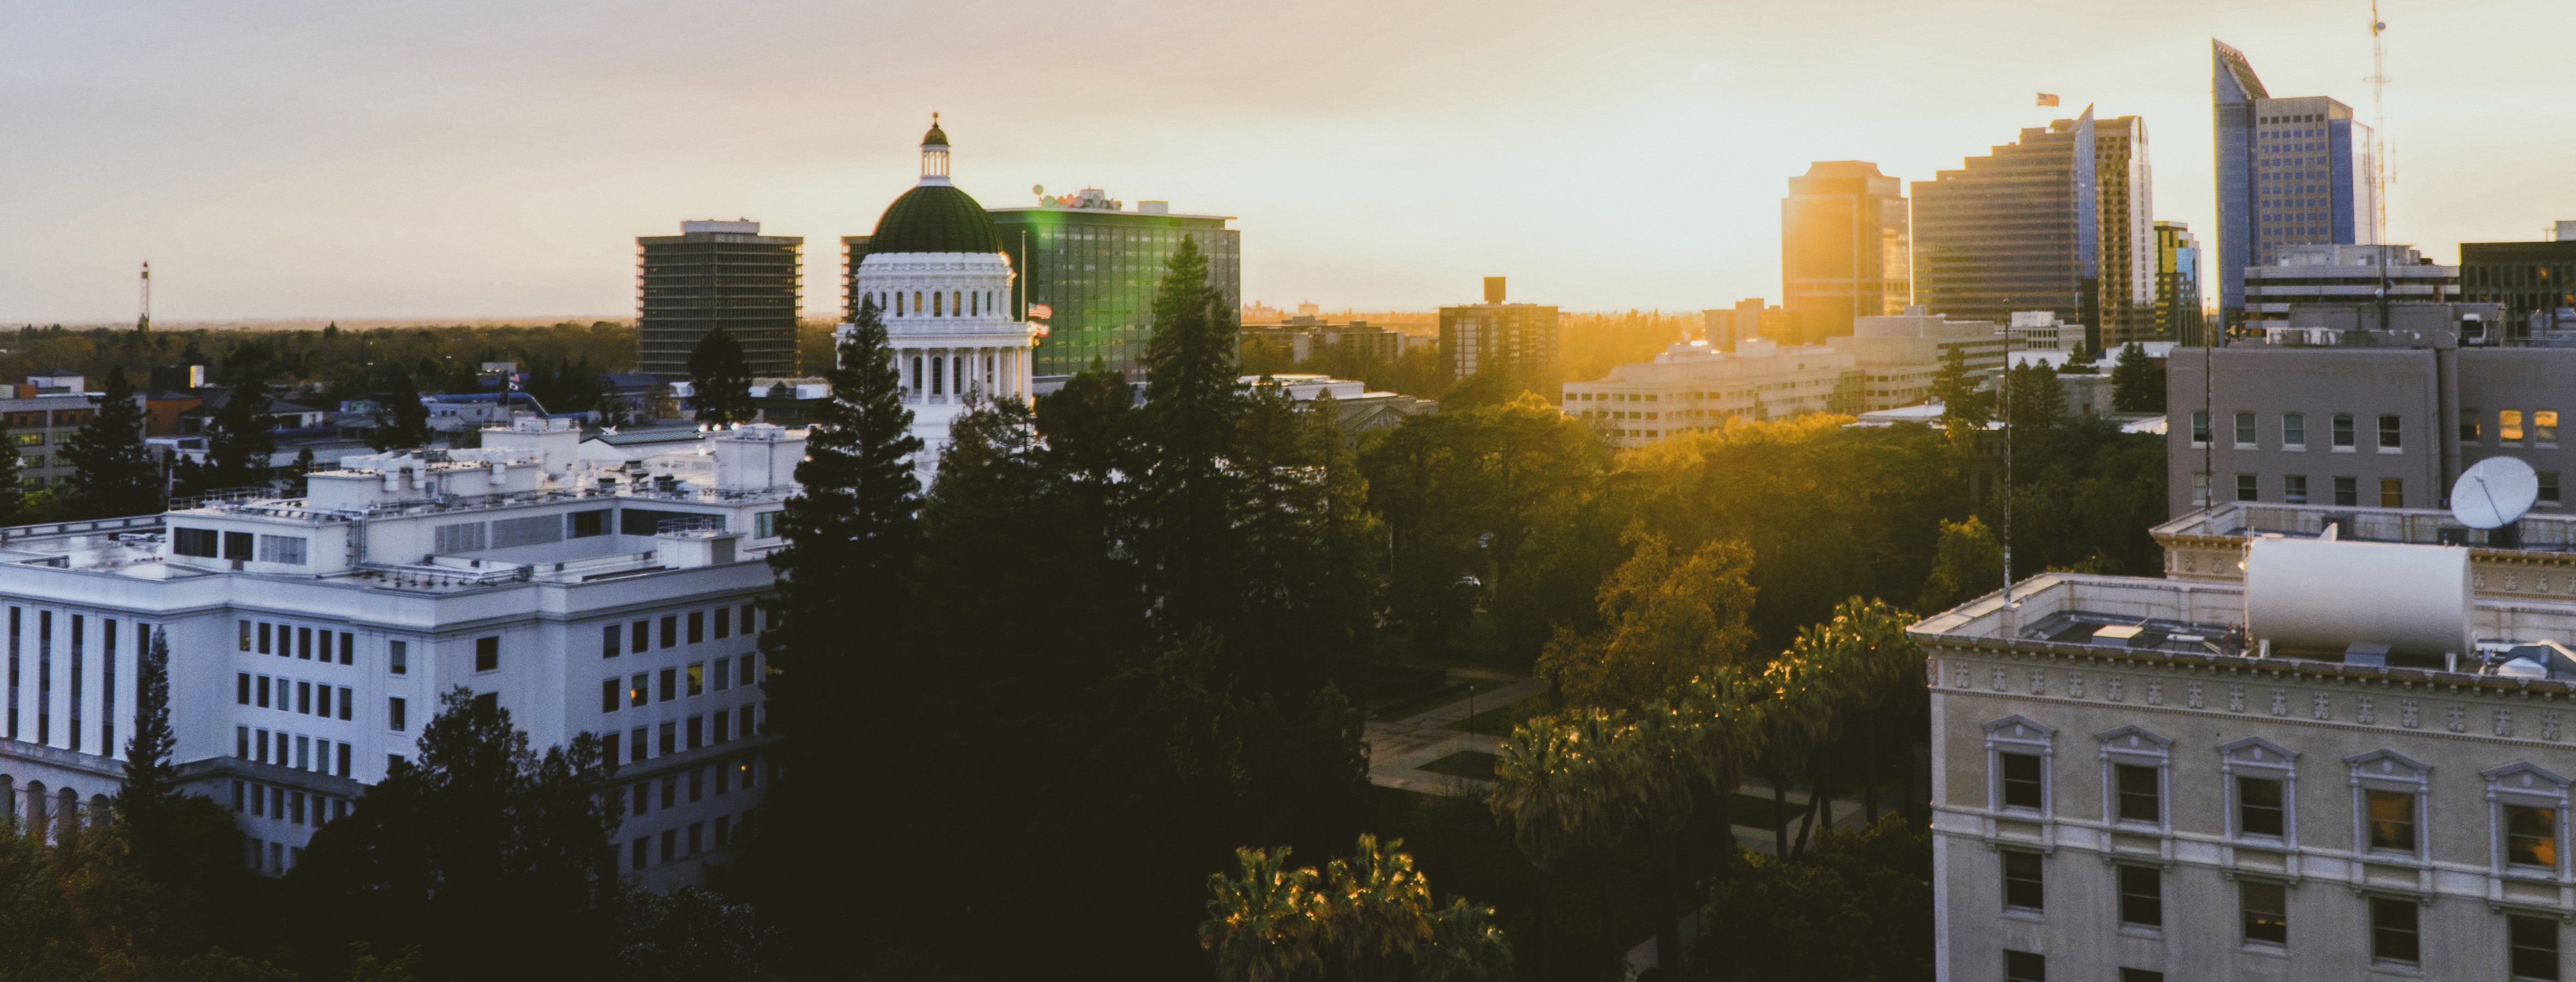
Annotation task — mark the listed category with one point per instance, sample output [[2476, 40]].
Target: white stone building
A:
[[2349, 759], [311, 638], [937, 271]]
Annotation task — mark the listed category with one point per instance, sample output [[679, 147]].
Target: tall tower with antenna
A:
[[2379, 151], [144, 322]]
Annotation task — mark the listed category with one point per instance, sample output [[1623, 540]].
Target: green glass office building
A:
[[1095, 265]]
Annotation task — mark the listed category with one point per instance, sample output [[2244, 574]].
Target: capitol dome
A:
[[934, 218]]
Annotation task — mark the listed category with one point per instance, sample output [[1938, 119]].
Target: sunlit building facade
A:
[[2015, 230], [2291, 172], [1845, 251], [1093, 265], [2178, 301]]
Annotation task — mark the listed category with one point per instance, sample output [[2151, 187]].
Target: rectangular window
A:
[[245, 634], [2343, 431], [2470, 425], [2140, 799], [2244, 429], [697, 626], [746, 618], [2199, 427], [697, 678], [2392, 492], [2258, 806], [2389, 434], [697, 729], [2022, 966], [259, 744], [2021, 780], [2531, 836], [347, 703], [240, 545], [608, 695], [670, 684], [304, 698], [643, 797], [397, 657], [724, 672], [697, 784], [286, 549], [764, 525], [2392, 820], [2509, 426], [671, 791], [584, 524], [2531, 944], [348, 648], [635, 745], [670, 734], [263, 692], [2347, 491], [697, 831], [241, 688], [2392, 931], [640, 637], [2544, 427], [639, 689], [639, 860], [304, 643], [322, 701], [608, 750], [2142, 895], [394, 713], [2264, 909], [264, 631], [723, 720], [2248, 488], [724, 623], [193, 542], [344, 759], [2022, 880], [746, 670], [241, 742], [724, 824], [487, 654], [671, 631], [2294, 430], [608, 641], [2549, 486]]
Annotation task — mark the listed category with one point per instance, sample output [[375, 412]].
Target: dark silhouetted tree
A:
[[721, 379], [116, 475]]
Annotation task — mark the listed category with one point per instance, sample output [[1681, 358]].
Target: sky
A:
[[442, 159]]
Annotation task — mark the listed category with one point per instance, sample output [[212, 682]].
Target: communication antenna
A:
[[2379, 155], [2494, 493], [144, 323]]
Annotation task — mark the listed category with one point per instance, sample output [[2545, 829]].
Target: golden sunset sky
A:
[[497, 159]]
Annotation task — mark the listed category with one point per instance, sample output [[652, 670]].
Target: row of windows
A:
[[2390, 795], [2263, 920], [639, 635], [310, 699], [2347, 490], [638, 688], [293, 750], [726, 776], [2509, 426], [285, 640], [696, 731], [726, 832], [291, 807], [2294, 431], [209, 544]]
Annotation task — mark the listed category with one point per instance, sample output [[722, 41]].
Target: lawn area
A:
[[1499, 721], [1417, 705]]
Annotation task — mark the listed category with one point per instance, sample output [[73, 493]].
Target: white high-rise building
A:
[[580, 587], [937, 271]]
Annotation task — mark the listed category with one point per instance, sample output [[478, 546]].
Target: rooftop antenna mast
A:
[[144, 323], [2379, 153]]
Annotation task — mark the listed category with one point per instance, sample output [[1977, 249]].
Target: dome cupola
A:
[[934, 216]]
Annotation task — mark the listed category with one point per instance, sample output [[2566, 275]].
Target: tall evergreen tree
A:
[[13, 494], [151, 778], [843, 598], [1193, 399], [1962, 404], [116, 475], [238, 443], [721, 379], [2137, 386], [402, 423]]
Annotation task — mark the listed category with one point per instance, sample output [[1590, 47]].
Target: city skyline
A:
[[397, 164]]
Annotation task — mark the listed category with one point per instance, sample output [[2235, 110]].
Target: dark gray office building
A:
[[2016, 230], [2291, 172], [2535, 282], [717, 275]]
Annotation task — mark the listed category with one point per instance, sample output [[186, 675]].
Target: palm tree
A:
[[1542, 796], [1375, 910], [1662, 751], [1465, 947], [1262, 928]]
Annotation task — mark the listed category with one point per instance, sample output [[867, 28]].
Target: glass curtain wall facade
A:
[[2291, 172], [2178, 313], [698, 281], [2125, 200], [1097, 270], [2016, 230], [2535, 281], [1845, 248]]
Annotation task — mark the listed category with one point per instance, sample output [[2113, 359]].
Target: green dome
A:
[[935, 218]]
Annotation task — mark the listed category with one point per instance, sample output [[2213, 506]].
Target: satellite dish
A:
[[2494, 493]]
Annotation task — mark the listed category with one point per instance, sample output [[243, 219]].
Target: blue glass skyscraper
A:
[[2290, 172]]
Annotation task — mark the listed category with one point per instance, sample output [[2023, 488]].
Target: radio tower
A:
[[144, 323], [2379, 153]]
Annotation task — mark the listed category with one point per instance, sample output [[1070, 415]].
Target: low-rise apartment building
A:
[[1692, 387]]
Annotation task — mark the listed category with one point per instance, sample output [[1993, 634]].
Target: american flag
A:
[[1039, 312], [2046, 99]]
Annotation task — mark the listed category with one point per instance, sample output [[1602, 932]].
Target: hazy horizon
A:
[[290, 160]]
